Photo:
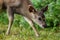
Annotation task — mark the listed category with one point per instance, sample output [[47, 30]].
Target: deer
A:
[[27, 10]]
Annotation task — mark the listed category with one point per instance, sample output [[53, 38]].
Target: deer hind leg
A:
[[32, 25], [10, 17]]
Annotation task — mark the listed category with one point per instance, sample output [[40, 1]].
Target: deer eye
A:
[[39, 18]]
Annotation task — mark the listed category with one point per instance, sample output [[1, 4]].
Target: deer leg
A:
[[32, 25], [10, 17]]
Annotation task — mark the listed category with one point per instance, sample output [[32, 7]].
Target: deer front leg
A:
[[10, 17], [32, 25]]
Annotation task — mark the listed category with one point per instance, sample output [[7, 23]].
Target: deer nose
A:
[[45, 26]]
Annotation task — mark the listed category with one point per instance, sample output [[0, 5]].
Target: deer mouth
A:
[[43, 26]]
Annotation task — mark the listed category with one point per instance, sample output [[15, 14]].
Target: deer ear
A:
[[45, 8], [31, 9]]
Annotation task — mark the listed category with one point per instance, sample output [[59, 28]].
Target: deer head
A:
[[38, 17]]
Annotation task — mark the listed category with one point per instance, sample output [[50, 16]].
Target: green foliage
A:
[[3, 18]]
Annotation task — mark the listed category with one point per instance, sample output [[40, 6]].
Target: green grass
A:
[[22, 31]]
